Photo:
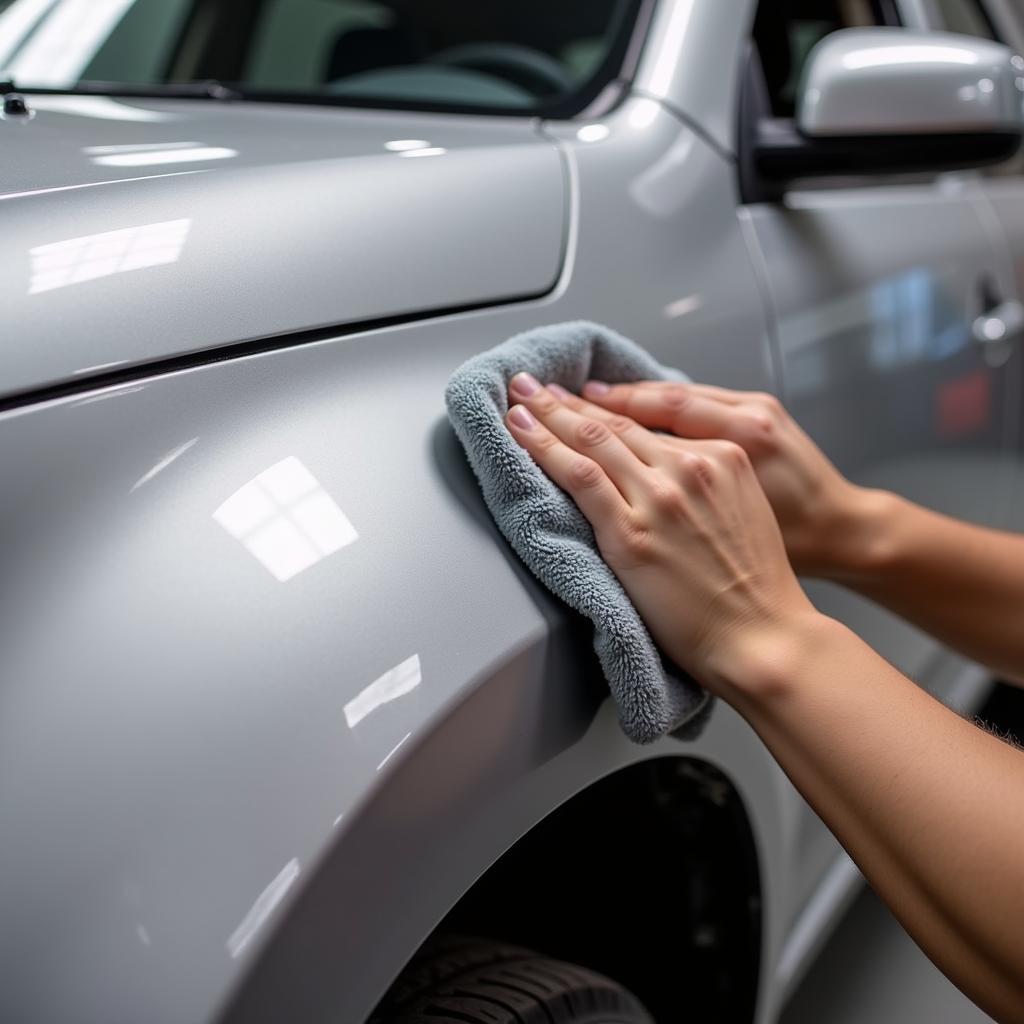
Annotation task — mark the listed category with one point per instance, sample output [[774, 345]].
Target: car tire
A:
[[456, 980]]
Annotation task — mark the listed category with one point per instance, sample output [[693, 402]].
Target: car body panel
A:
[[243, 677], [212, 224], [876, 290], [275, 691], [692, 62], [1004, 199]]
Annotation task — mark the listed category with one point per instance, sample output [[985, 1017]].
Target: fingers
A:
[[754, 420], [682, 408], [645, 445], [582, 434], [595, 390], [583, 478]]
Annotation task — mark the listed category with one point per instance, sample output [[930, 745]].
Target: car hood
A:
[[140, 231]]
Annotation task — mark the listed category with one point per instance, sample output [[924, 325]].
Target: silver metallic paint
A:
[[310, 221], [193, 816], [879, 81], [168, 647]]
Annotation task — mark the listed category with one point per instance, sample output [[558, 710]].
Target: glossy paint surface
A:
[[158, 228], [692, 61], [275, 691], [879, 365], [893, 81], [1005, 198], [272, 589]]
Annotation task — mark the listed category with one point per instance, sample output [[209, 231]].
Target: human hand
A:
[[819, 511], [684, 525]]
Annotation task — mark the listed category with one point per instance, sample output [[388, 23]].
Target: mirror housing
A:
[[890, 81], [892, 100]]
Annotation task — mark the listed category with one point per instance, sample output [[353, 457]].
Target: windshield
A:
[[522, 56]]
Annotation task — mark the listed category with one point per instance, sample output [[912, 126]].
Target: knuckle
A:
[[732, 454], [695, 469], [768, 401], [545, 441], [584, 473], [544, 403], [591, 432], [665, 496], [757, 429], [635, 541], [620, 424], [676, 397]]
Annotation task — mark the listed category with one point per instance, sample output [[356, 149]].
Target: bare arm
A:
[[929, 806], [964, 584]]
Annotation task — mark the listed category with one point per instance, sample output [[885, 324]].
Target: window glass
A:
[[966, 17], [786, 31], [523, 55]]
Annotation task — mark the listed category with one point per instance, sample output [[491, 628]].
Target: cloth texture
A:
[[548, 531]]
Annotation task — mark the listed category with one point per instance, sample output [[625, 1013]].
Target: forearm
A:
[[963, 584], [928, 805]]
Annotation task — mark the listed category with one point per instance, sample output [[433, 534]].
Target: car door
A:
[[1003, 190], [875, 287]]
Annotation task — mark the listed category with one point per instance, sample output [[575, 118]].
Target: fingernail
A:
[[596, 388], [525, 384], [559, 392], [522, 417]]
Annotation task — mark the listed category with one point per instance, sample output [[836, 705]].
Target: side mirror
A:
[[891, 100]]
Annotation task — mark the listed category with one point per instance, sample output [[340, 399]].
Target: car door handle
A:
[[1003, 323], [995, 329]]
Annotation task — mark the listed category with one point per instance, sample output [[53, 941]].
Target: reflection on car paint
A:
[[114, 392], [93, 184], [401, 145], [262, 908], [99, 366], [162, 464], [286, 519], [428, 151], [394, 750], [680, 307], [593, 133], [102, 107], [395, 683], [644, 113], [138, 147], [964, 405], [918, 53], [908, 318], [130, 156], [76, 260]]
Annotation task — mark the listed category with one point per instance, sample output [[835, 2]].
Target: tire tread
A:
[[462, 980]]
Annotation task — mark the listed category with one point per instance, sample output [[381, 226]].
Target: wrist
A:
[[763, 663], [859, 536]]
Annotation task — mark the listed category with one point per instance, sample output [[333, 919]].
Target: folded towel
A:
[[548, 531]]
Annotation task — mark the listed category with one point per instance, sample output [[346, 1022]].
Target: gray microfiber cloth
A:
[[548, 531]]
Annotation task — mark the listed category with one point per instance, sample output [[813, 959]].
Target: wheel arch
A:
[[403, 870]]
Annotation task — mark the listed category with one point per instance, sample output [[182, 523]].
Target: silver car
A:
[[287, 733]]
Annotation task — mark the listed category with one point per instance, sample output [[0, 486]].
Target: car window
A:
[[966, 17], [785, 32], [513, 55]]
